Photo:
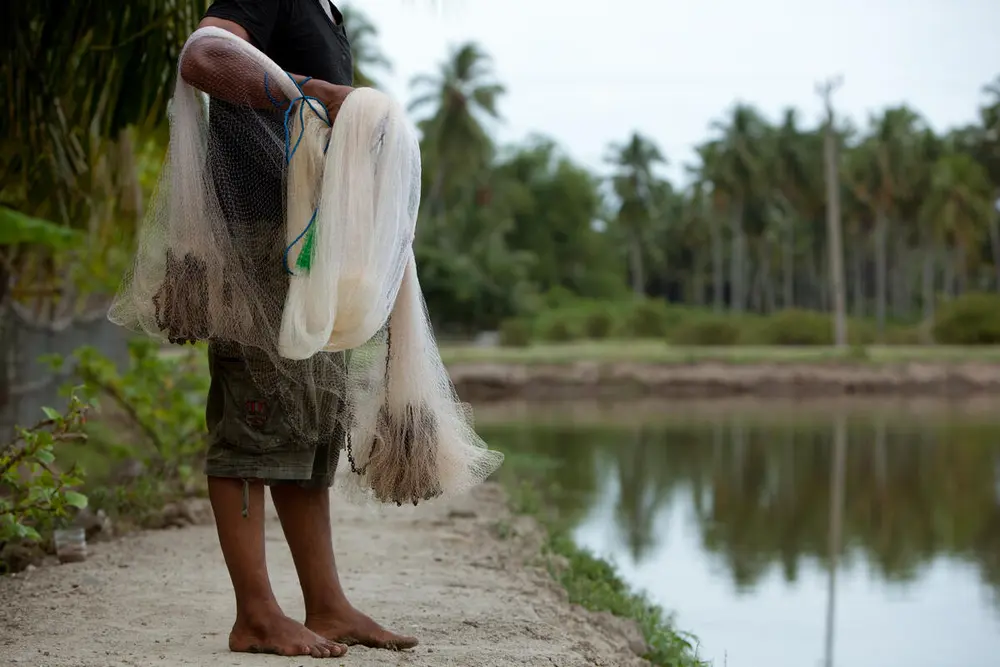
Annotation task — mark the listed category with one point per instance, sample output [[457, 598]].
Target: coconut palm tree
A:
[[82, 81], [637, 188], [714, 202], [76, 75], [461, 99], [796, 190], [954, 214], [987, 151], [738, 172], [896, 150]]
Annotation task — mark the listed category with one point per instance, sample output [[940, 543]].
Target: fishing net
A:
[[289, 243]]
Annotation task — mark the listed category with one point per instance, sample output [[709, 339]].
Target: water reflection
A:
[[790, 537]]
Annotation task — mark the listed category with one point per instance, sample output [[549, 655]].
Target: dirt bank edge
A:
[[489, 381]]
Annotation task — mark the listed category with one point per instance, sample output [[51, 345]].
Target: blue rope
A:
[[290, 149], [267, 90]]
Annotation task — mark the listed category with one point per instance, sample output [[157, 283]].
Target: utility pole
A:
[[837, 476], [833, 223]]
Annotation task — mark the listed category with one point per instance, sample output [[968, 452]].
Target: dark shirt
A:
[[296, 34], [246, 149]]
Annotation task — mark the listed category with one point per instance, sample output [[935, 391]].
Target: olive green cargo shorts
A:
[[249, 434]]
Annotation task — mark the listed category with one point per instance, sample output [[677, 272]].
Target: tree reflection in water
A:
[[914, 489]]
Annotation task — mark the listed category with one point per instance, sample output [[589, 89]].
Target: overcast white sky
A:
[[587, 72]]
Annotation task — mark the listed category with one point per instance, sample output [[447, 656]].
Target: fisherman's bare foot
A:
[[279, 635], [351, 627]]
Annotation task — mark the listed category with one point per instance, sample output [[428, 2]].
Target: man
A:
[[305, 38]]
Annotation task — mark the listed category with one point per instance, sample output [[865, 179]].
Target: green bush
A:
[[558, 297], [34, 493], [898, 335], [648, 318], [707, 330], [515, 333], [157, 406], [163, 396], [559, 328], [795, 327], [599, 324], [972, 319]]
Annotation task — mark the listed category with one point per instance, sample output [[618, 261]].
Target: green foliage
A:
[[707, 330], [648, 318], [159, 398], [795, 327], [561, 317], [17, 228], [34, 493], [973, 319], [595, 584], [515, 333], [589, 581], [599, 324], [76, 76], [559, 327], [559, 297], [500, 225]]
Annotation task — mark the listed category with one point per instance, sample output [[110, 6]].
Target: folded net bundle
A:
[[289, 243]]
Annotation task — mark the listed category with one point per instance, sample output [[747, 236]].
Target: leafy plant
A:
[[161, 397], [714, 330], [17, 228], [515, 333], [973, 319], [648, 319], [599, 324], [33, 491]]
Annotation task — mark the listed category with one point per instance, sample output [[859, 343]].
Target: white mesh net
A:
[[290, 242]]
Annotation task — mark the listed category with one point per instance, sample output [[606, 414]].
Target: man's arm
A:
[[216, 70]]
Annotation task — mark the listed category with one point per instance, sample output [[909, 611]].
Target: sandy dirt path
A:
[[438, 572]]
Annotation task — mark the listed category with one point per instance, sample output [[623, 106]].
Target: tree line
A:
[[748, 233], [504, 227]]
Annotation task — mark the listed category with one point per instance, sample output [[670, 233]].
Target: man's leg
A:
[[260, 626], [233, 455], [305, 520]]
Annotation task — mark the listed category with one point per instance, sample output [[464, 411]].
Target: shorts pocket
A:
[[251, 420]]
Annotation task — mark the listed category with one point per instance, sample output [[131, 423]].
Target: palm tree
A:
[[738, 173], [637, 188], [462, 97], [987, 150], [367, 56], [76, 76], [955, 211], [896, 135], [795, 189], [716, 202], [82, 83]]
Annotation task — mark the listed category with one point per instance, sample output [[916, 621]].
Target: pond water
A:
[[787, 534]]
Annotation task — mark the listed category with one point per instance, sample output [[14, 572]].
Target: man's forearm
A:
[[220, 72]]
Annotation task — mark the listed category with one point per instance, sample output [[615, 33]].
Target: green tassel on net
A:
[[304, 262]]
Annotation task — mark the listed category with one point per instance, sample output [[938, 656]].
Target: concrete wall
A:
[[25, 384]]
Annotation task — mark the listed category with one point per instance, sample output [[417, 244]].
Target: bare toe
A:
[[277, 634], [353, 627]]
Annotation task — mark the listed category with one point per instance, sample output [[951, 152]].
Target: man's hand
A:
[[331, 95]]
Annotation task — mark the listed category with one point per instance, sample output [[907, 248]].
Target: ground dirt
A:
[[443, 572]]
